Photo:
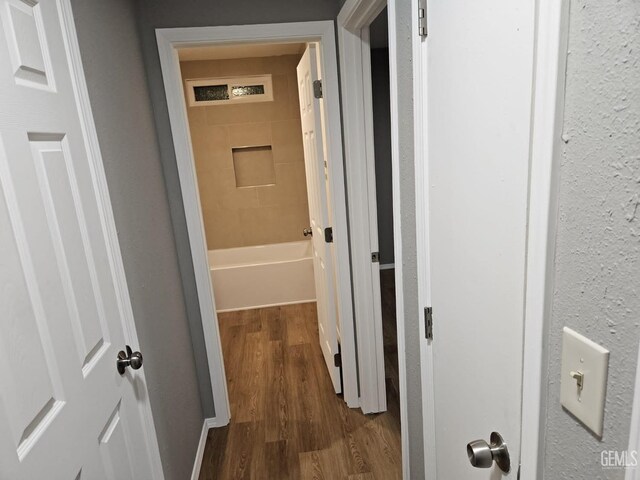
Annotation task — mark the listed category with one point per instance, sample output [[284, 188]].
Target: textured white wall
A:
[[597, 284]]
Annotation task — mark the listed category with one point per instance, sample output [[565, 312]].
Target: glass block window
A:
[[211, 92], [224, 91], [247, 90]]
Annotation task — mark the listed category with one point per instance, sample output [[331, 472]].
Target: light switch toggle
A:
[[578, 376], [583, 379]]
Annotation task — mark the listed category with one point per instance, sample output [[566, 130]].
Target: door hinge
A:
[[328, 234], [317, 88], [337, 359], [428, 323], [422, 18], [375, 257]]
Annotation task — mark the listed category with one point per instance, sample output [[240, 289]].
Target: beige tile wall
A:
[[237, 217]]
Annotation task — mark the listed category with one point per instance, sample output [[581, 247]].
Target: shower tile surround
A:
[[239, 216]]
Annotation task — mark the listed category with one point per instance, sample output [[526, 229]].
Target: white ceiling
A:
[[246, 50]]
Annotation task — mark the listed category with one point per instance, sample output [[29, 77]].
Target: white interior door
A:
[[316, 171], [478, 105], [65, 412]]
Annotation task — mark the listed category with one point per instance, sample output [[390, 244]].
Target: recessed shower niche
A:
[[253, 166]]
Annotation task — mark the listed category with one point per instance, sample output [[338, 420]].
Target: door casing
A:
[[169, 41], [551, 39], [357, 110]]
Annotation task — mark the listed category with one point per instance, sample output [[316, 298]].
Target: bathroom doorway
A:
[[259, 133], [266, 171], [173, 41], [256, 124]]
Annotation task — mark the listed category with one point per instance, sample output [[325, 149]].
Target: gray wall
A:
[[154, 14], [119, 96], [382, 145], [404, 21], [597, 283]]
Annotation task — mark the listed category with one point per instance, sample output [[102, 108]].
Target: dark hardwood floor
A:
[[286, 420]]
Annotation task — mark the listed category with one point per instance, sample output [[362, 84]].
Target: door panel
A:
[[68, 411], [479, 90], [114, 448], [78, 270], [315, 170]]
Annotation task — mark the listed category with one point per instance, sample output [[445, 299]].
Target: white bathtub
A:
[[262, 276]]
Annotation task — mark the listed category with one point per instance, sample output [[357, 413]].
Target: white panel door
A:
[[65, 412], [478, 106], [316, 171]]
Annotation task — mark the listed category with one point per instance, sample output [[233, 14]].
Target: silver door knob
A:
[[128, 359], [307, 232], [482, 455]]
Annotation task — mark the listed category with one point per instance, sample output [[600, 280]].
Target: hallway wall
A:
[[597, 277], [259, 215], [119, 95], [154, 14]]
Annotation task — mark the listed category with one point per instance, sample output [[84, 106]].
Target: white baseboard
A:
[[387, 266], [208, 423]]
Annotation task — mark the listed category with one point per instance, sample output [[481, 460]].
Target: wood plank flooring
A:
[[286, 420]]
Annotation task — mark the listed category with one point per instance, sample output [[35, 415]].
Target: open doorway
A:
[[368, 68], [381, 110], [256, 127], [263, 135], [170, 42]]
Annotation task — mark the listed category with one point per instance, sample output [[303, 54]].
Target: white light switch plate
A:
[[579, 354]]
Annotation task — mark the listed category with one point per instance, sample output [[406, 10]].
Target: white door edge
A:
[[552, 25], [108, 222], [355, 72], [397, 234], [548, 107], [422, 245], [169, 39]]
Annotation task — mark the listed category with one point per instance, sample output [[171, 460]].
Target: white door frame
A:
[[96, 163], [169, 41], [357, 110], [354, 20], [552, 28]]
